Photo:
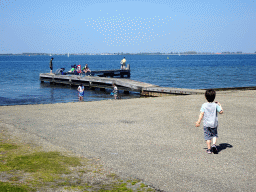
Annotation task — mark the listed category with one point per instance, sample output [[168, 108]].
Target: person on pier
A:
[[73, 68], [123, 62], [51, 66], [78, 69], [86, 69]]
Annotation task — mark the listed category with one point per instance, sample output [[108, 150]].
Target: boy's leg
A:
[[207, 137], [214, 148], [208, 142], [214, 140]]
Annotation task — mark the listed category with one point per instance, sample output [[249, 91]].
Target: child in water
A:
[[80, 92], [115, 91]]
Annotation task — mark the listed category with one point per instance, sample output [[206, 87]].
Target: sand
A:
[[153, 139]]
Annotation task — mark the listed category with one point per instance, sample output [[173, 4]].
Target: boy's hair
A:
[[210, 95]]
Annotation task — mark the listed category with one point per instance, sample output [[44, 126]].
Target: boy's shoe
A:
[[214, 149], [208, 151]]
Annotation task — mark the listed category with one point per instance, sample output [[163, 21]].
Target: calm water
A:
[[19, 75]]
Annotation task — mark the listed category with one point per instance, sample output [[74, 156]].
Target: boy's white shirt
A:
[[211, 118]]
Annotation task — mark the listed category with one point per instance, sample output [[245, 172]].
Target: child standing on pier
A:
[[80, 92], [123, 62], [51, 67], [209, 112]]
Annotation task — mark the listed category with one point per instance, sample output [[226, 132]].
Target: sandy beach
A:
[[153, 139]]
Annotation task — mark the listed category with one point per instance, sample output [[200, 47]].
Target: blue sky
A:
[[100, 26]]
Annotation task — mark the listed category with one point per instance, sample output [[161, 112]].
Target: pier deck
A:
[[126, 85]]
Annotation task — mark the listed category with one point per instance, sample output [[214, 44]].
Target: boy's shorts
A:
[[209, 133]]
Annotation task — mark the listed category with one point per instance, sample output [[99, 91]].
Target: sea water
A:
[[20, 84]]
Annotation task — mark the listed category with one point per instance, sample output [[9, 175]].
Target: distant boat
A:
[[68, 54], [167, 57]]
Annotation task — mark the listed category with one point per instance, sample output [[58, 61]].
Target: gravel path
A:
[[153, 139]]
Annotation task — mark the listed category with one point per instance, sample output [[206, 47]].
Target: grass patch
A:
[[28, 168], [6, 146], [47, 162], [5, 186]]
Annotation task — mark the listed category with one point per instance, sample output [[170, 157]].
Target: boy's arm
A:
[[221, 111], [199, 119]]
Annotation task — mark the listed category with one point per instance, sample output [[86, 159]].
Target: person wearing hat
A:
[[51, 65]]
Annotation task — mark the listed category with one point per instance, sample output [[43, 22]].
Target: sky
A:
[[129, 26]]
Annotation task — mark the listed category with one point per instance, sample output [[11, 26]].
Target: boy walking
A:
[[209, 111]]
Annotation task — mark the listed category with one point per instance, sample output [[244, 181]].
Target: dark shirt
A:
[[51, 63]]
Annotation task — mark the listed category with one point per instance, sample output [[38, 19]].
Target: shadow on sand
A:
[[222, 146]]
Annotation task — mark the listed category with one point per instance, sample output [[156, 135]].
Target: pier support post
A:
[[90, 85], [144, 93]]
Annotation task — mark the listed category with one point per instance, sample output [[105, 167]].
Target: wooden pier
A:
[[164, 91], [127, 85]]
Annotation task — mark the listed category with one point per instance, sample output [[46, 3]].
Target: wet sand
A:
[[153, 139]]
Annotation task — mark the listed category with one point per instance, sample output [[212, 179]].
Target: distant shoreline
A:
[[82, 54]]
